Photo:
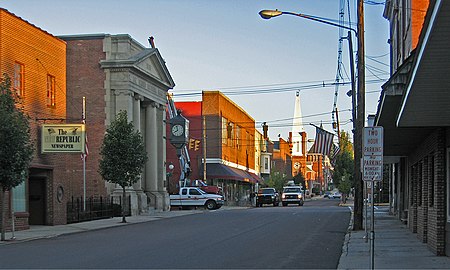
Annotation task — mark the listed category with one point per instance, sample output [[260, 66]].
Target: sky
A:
[[225, 45]]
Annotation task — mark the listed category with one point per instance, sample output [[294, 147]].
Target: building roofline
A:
[[83, 36], [29, 23], [217, 92]]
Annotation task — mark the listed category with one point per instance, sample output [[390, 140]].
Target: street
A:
[[310, 236]]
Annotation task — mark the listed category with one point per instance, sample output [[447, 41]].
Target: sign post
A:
[[372, 171]]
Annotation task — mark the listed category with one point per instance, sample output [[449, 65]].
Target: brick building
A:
[[282, 158], [413, 110], [36, 63], [115, 73], [230, 146]]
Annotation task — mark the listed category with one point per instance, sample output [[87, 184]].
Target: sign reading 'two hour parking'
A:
[[373, 154]]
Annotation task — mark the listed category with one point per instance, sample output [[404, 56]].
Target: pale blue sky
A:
[[225, 45]]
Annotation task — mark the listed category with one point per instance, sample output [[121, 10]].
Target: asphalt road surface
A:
[[293, 237]]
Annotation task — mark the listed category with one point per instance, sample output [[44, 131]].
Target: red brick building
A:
[[230, 146], [35, 61], [413, 110], [116, 73]]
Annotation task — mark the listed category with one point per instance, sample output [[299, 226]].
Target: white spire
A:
[[297, 127]]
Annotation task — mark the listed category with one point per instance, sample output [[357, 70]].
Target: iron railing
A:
[[96, 208]]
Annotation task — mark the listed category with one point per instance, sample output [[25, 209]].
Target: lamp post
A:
[[358, 102], [168, 175]]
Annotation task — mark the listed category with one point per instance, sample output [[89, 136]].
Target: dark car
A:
[[267, 196]]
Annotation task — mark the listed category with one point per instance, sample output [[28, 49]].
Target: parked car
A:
[[267, 196], [327, 194], [335, 195], [193, 196], [208, 189]]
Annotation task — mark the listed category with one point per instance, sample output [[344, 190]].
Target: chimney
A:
[[303, 134], [151, 41]]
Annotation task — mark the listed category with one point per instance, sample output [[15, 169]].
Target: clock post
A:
[[179, 132], [179, 136]]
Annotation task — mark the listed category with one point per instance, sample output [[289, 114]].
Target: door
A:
[[37, 200]]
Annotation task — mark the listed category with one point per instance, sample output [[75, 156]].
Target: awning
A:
[[221, 171], [391, 97], [425, 103]]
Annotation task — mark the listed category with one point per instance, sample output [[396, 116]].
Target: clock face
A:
[[296, 165], [177, 130]]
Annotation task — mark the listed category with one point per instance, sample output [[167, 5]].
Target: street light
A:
[[268, 14], [358, 103], [169, 174]]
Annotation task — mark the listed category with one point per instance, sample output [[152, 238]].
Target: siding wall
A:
[[41, 54]]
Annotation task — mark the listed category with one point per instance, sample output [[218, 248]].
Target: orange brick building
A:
[[36, 63], [230, 146]]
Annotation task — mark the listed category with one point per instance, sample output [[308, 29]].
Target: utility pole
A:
[[338, 128], [204, 148], [358, 203]]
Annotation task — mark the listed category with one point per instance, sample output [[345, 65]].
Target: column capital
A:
[[138, 97], [124, 92], [152, 103]]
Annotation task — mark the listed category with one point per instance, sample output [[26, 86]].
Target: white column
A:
[[137, 111], [139, 185], [124, 102], [151, 168], [163, 140]]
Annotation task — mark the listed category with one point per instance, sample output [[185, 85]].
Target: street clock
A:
[[179, 131]]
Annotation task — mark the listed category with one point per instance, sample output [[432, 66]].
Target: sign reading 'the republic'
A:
[[64, 138]]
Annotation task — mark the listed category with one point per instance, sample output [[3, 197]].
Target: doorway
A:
[[37, 200]]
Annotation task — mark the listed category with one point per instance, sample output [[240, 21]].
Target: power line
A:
[[323, 84]]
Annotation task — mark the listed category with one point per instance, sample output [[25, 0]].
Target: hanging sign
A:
[[64, 138]]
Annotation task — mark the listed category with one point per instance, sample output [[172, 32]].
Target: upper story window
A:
[[224, 130], [51, 89], [238, 133], [19, 85], [230, 134]]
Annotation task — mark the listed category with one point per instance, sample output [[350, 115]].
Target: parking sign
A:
[[373, 154]]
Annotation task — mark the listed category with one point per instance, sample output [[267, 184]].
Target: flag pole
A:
[[84, 154]]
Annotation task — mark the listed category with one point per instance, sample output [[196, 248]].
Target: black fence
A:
[[97, 208]]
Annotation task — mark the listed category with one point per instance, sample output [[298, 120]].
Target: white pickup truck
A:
[[193, 196]]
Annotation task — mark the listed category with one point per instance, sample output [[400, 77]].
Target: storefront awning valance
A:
[[221, 171]]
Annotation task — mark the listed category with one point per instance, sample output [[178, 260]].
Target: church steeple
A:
[[297, 127]]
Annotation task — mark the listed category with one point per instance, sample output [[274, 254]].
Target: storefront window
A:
[[19, 202], [448, 184]]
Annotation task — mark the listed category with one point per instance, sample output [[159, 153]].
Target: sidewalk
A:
[[396, 247], [41, 231]]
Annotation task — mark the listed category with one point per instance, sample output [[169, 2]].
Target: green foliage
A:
[[344, 164], [16, 148], [345, 185], [123, 154], [299, 179], [345, 144], [276, 180]]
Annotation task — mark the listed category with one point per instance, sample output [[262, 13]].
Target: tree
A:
[[299, 179], [123, 155], [345, 187], [276, 180], [344, 164], [16, 147]]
